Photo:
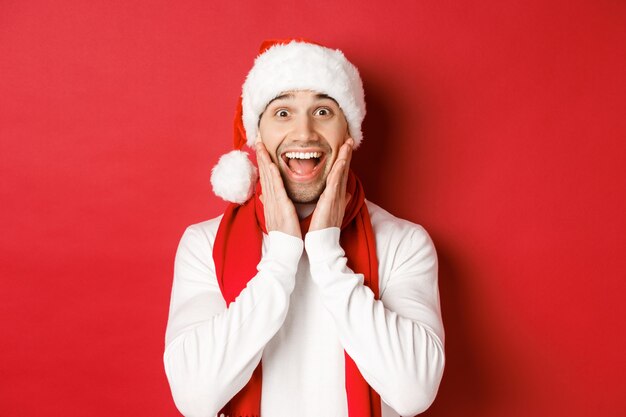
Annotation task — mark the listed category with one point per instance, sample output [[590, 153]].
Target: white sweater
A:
[[298, 314]]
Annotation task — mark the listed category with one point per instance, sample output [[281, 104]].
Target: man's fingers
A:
[[338, 177], [345, 153], [272, 175], [344, 179], [264, 162], [333, 183], [261, 154], [262, 176], [277, 181], [350, 144]]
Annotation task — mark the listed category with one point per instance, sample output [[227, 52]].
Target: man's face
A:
[[303, 131]]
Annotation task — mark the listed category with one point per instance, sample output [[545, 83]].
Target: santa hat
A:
[[285, 66]]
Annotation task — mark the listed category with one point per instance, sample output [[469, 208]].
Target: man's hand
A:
[[332, 203], [280, 213]]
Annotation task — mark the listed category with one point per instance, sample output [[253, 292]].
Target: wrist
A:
[[293, 231], [284, 247], [323, 244]]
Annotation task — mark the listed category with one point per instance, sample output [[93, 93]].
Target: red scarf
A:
[[237, 252]]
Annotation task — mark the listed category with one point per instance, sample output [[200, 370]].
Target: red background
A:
[[498, 125]]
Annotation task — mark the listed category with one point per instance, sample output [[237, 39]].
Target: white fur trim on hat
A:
[[303, 66], [234, 177]]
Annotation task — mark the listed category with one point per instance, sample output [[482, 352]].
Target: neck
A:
[[304, 209]]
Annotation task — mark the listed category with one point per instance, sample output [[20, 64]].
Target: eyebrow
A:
[[318, 96], [323, 96]]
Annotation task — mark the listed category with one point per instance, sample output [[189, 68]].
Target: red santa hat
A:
[[285, 65]]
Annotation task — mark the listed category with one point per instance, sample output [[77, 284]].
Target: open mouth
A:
[[303, 165]]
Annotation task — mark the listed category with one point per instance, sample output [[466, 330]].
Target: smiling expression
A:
[[303, 131]]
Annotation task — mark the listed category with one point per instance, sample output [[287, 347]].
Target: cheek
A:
[[271, 139], [271, 149], [336, 137]]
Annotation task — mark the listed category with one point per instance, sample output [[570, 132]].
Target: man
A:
[[303, 299]]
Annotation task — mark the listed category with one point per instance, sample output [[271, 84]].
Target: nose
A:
[[304, 128]]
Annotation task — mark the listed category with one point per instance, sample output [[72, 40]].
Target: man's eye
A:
[[324, 111], [282, 113]]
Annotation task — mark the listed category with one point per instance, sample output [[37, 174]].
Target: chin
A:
[[305, 194]]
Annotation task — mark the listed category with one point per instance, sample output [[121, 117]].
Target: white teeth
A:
[[303, 155]]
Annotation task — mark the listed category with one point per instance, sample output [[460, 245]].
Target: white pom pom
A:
[[234, 177]]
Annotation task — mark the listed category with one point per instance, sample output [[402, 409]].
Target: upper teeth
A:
[[303, 155]]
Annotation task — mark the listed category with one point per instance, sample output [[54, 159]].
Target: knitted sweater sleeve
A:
[[397, 341], [210, 350]]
